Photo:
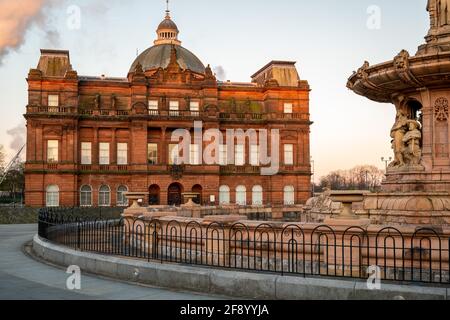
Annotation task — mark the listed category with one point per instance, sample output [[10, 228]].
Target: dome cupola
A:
[[167, 31]]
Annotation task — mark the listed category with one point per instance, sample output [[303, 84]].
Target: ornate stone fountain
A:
[[417, 186]]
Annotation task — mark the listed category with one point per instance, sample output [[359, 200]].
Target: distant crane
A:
[[10, 164]]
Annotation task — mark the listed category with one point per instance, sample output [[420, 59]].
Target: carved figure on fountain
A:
[[406, 142]]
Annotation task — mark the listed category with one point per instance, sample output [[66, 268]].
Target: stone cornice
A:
[[402, 75]]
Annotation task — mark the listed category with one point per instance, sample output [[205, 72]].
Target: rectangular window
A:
[[122, 154], [239, 156], [152, 153], [254, 155], [195, 108], [194, 154], [174, 108], [104, 154], [53, 100], [52, 198], [153, 107], [289, 154], [86, 153], [288, 109], [174, 156], [52, 150], [223, 155]]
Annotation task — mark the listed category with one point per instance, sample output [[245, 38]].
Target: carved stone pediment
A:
[[139, 108], [53, 131]]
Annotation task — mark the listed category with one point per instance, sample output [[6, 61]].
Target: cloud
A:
[[220, 72], [17, 135], [17, 16]]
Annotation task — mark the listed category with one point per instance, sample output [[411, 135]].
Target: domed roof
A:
[[159, 56], [167, 23]]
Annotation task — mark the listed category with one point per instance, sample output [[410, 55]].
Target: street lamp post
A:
[[386, 161], [313, 181]]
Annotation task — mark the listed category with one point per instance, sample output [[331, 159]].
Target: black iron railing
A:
[[305, 250]]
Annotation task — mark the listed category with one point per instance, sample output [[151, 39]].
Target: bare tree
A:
[[364, 177], [14, 183]]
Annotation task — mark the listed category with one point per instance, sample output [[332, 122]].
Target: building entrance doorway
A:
[[174, 195], [198, 189], [154, 198]]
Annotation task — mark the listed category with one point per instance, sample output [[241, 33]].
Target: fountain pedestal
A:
[[347, 216], [134, 208]]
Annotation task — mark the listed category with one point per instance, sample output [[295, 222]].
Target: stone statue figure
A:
[[412, 152], [113, 102], [439, 12], [397, 134], [97, 101]]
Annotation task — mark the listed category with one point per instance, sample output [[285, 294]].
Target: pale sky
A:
[[328, 39]]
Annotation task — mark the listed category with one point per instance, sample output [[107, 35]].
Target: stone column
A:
[[300, 148], [163, 156], [95, 147], [427, 130], [113, 146], [39, 143]]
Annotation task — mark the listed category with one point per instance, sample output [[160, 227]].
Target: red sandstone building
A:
[[90, 139]]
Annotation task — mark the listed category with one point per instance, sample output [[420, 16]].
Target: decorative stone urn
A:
[[346, 216], [133, 198], [347, 198], [189, 197]]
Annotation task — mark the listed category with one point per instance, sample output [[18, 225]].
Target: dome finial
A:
[[167, 30], [167, 10]]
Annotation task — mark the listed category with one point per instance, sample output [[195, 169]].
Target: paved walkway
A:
[[22, 277]]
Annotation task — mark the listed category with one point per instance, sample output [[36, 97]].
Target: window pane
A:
[[223, 161], [122, 201], [53, 100], [153, 105], [224, 195], [122, 154], [174, 108], [289, 154], [257, 195], [195, 106], [241, 196], [104, 196], [86, 153], [52, 150], [86, 196], [52, 196], [289, 195], [194, 155], [152, 153], [254, 155], [104, 154], [239, 155], [195, 109], [288, 108], [174, 157]]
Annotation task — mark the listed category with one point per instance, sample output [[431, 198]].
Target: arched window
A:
[[122, 201], [257, 196], [104, 196], [241, 195], [224, 195], [86, 196], [289, 195], [52, 196]]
